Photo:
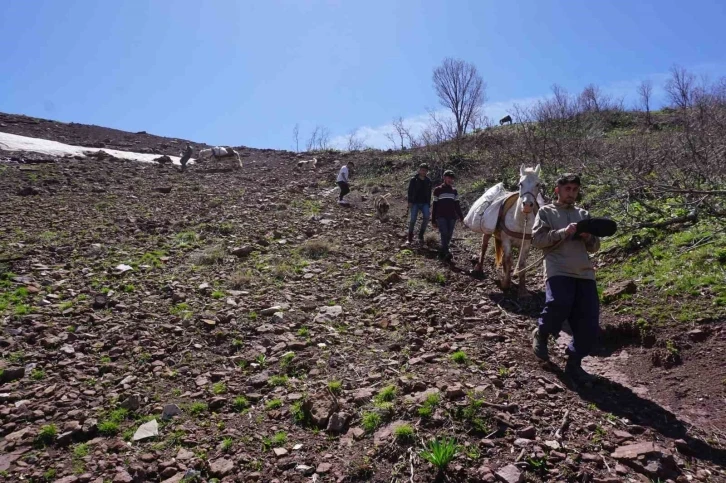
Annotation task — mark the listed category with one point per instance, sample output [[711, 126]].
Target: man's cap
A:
[[423, 166], [568, 178], [448, 172]]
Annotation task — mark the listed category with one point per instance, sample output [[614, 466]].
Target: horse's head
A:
[[529, 186]]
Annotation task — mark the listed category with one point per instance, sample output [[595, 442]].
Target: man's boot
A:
[[410, 237], [539, 345], [421, 238], [574, 369]]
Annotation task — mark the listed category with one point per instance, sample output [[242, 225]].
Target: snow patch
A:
[[13, 142]]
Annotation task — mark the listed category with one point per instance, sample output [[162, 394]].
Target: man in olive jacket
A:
[[571, 291]]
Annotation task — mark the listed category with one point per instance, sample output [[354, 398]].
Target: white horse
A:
[[514, 227], [218, 152]]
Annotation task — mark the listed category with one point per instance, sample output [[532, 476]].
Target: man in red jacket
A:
[[445, 212]]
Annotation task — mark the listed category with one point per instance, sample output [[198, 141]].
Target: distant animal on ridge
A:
[[506, 119], [219, 152], [310, 163], [382, 206]]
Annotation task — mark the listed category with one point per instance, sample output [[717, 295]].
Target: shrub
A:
[[370, 421], [316, 248], [459, 357], [404, 433]]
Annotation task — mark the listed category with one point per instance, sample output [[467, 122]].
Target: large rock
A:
[[329, 314], [619, 289], [337, 423], [12, 374], [510, 474], [221, 467], [320, 408], [147, 430]]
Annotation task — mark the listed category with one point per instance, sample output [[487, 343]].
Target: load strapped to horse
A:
[[509, 217], [219, 152]]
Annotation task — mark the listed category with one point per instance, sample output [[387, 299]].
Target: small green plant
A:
[[277, 381], [252, 315], [227, 444], [335, 387], [503, 372], [279, 439], [303, 332], [460, 357], [108, 428], [387, 394], [273, 404], [261, 360], [128, 288], [182, 310], [286, 359], [49, 474], [404, 433], [47, 434], [440, 452], [219, 388], [37, 374], [217, 294], [105, 360], [240, 403], [429, 405], [65, 305], [22, 309], [81, 450], [197, 408], [370, 421], [297, 411], [672, 348]]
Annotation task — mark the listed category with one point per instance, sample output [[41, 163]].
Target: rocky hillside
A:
[[224, 325]]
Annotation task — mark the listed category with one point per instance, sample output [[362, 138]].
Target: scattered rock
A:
[[243, 251], [147, 430], [510, 474], [12, 374], [328, 314], [279, 452], [619, 289], [170, 410], [28, 191], [221, 467], [323, 468]]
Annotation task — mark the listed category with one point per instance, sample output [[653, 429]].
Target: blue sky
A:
[[244, 72]]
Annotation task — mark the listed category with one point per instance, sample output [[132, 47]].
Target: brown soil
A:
[[210, 250]]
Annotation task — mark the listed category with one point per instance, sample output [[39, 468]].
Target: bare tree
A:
[[645, 91], [323, 138], [355, 143], [680, 87], [296, 137], [313, 140], [461, 90]]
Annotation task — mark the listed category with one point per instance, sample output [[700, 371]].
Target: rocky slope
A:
[[241, 326]]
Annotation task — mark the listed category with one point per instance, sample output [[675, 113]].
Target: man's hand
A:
[[571, 228], [585, 237]]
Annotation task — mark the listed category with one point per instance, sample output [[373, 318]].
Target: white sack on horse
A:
[[484, 213], [219, 151]]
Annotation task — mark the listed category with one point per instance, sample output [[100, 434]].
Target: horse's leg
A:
[[507, 262], [484, 244], [523, 252]]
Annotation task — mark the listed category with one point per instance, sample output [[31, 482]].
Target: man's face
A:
[[567, 193], [423, 172], [448, 180]]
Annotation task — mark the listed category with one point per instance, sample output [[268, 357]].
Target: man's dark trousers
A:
[[576, 300]]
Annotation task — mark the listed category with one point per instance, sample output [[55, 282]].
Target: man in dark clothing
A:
[[186, 156], [446, 211], [571, 291], [419, 199]]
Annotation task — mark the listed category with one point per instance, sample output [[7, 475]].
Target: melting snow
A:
[[13, 142]]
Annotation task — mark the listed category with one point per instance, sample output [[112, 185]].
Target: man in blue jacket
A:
[[419, 200]]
